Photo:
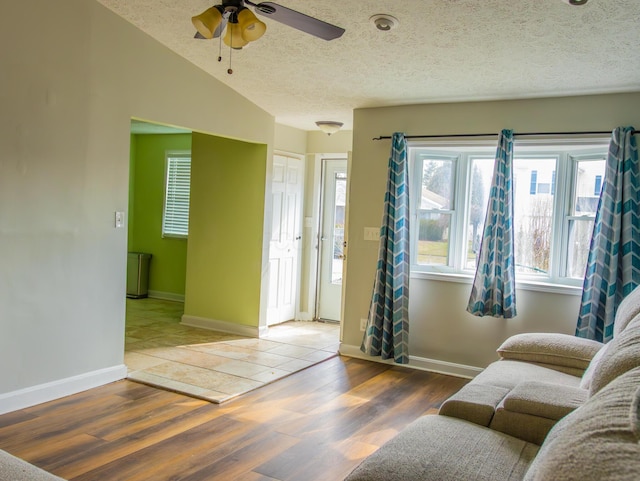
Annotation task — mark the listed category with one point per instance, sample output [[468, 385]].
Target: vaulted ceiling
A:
[[441, 50]]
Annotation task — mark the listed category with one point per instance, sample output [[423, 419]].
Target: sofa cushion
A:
[[532, 408], [550, 348], [585, 382], [598, 441], [622, 354], [543, 399], [440, 448], [509, 373], [527, 427], [626, 311]]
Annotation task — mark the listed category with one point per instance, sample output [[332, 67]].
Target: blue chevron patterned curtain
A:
[[494, 286], [613, 265], [387, 332]]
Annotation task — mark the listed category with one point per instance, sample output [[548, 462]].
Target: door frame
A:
[[299, 260], [320, 164]]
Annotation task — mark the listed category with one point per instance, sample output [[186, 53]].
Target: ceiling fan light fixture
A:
[[207, 22], [329, 126], [575, 2], [233, 36], [251, 28], [384, 22]]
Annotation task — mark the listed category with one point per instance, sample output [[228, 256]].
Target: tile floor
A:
[[213, 365]]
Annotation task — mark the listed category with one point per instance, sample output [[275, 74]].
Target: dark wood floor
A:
[[316, 424]]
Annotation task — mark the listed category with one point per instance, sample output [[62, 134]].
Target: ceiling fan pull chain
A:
[[230, 70], [220, 48]]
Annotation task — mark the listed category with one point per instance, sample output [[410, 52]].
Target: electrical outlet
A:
[[363, 324]]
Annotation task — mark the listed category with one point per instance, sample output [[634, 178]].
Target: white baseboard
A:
[[24, 398], [415, 362], [167, 296], [305, 316], [224, 326]]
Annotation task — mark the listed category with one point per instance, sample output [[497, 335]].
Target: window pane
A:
[[338, 227], [437, 184], [481, 174], [588, 182], [580, 231], [433, 238], [175, 219], [533, 214]]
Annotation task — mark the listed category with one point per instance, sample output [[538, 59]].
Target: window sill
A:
[[527, 285]]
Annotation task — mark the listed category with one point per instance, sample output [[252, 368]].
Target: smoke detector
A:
[[384, 22]]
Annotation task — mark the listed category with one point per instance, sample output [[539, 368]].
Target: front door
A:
[[334, 194], [286, 203]]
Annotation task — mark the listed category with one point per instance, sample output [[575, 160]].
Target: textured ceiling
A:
[[442, 50]]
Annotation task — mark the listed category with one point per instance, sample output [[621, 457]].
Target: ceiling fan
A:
[[242, 26]]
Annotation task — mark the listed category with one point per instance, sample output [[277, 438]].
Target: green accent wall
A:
[[132, 183], [226, 218], [167, 270]]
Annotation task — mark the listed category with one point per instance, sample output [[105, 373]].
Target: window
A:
[[554, 206], [175, 218]]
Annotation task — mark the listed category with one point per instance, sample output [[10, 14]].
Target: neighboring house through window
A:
[[175, 218]]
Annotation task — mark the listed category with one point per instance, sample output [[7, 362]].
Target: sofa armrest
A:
[[532, 408], [475, 403], [546, 400], [550, 349]]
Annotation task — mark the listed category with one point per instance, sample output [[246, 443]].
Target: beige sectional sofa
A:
[[553, 407], [15, 469]]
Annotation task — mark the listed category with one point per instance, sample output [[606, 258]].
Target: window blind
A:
[[175, 221]]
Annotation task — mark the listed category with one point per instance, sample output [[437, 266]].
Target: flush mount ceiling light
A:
[[575, 2], [384, 22], [328, 126], [242, 26]]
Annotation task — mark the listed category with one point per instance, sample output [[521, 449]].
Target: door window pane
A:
[[340, 181]]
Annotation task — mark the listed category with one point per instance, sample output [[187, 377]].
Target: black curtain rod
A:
[[524, 134]]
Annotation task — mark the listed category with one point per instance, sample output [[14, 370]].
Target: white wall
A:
[[67, 95], [440, 328]]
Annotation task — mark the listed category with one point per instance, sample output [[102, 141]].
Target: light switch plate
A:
[[363, 324], [372, 233], [119, 220]]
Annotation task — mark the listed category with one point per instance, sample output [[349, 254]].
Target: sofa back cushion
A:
[[626, 311], [621, 354], [598, 441], [552, 349]]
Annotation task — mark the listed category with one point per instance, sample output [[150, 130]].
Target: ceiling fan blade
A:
[[298, 20]]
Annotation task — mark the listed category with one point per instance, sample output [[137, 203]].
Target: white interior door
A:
[[286, 234], [334, 194]]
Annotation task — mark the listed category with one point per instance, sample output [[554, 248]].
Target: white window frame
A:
[[568, 154], [175, 211]]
